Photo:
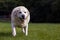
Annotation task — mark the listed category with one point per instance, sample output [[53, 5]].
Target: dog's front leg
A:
[[13, 29], [26, 30]]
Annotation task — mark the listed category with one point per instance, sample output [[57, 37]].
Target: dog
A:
[[20, 17]]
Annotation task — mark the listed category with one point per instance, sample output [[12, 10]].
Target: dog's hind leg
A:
[[23, 30]]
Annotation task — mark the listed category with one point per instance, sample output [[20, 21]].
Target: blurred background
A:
[[42, 11]]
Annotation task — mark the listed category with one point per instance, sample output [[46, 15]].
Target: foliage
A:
[[41, 10]]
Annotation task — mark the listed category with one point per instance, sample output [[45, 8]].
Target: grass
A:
[[37, 31]]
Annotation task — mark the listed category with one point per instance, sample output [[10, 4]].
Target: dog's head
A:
[[22, 12]]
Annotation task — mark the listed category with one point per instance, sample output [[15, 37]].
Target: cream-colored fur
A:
[[17, 22]]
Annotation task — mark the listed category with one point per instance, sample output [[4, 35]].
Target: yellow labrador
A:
[[20, 17]]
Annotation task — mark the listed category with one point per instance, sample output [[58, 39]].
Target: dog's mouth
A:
[[22, 19]]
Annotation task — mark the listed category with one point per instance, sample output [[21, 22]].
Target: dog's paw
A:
[[14, 34], [23, 31]]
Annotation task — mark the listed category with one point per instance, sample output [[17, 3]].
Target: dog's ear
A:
[[15, 12], [28, 11]]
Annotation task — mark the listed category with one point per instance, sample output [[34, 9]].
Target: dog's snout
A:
[[23, 16]]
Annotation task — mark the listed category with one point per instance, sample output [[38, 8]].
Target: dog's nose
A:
[[23, 16]]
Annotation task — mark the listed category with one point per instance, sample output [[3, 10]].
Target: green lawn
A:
[[37, 31]]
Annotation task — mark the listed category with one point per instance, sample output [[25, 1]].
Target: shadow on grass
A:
[[7, 34]]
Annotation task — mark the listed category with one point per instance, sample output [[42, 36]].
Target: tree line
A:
[[41, 10]]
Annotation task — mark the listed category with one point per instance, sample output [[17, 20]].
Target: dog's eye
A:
[[24, 12], [20, 12]]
